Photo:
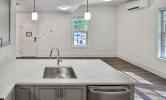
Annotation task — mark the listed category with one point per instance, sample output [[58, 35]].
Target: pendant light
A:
[[34, 13], [87, 15]]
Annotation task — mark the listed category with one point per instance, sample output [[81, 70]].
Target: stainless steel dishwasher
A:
[[108, 93]]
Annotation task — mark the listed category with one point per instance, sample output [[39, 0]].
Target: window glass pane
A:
[[165, 41], [164, 15], [163, 47], [80, 38], [164, 55], [164, 26]]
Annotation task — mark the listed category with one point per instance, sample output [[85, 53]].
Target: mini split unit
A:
[[137, 4]]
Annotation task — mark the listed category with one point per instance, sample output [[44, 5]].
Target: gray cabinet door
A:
[[46, 93], [74, 93], [25, 93]]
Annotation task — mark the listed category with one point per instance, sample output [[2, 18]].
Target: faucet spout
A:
[[58, 57]]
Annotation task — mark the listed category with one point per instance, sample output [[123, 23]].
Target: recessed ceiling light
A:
[[64, 7], [107, 0]]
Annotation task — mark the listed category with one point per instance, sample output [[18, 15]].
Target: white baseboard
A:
[[143, 66], [81, 55]]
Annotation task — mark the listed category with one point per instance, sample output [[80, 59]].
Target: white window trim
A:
[[88, 36], [159, 35]]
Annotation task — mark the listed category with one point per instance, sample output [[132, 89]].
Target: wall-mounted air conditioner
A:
[[137, 4]]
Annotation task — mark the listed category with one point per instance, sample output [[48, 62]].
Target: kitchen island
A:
[[89, 72]]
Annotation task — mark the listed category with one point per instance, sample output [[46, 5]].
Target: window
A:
[[163, 34], [80, 32]]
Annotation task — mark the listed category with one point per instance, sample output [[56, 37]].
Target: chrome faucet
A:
[[58, 57]]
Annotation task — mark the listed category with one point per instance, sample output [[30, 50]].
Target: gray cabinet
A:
[[46, 93], [60, 93], [25, 93], [50, 92], [74, 93]]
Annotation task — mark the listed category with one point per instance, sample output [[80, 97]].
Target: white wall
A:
[[4, 21], [9, 51], [137, 37], [103, 32]]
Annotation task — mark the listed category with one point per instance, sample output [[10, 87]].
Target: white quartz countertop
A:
[[30, 72]]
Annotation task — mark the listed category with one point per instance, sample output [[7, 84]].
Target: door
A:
[[29, 40], [25, 93], [46, 93], [74, 93]]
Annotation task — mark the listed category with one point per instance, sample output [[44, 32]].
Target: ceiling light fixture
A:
[[34, 13], [107, 0], [64, 7], [87, 15]]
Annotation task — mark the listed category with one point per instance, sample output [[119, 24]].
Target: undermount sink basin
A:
[[59, 73]]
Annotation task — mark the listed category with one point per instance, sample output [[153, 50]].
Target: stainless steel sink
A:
[[59, 73]]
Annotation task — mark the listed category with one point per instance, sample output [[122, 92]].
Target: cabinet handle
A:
[[62, 93], [61, 96], [58, 94]]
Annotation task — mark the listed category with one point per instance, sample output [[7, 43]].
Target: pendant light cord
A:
[[34, 5], [87, 6]]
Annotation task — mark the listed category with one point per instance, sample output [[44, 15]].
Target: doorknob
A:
[[34, 39]]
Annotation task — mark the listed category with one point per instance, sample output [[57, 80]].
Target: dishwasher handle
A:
[[111, 91]]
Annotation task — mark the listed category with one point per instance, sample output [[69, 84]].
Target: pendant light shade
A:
[[34, 13], [87, 15], [34, 16]]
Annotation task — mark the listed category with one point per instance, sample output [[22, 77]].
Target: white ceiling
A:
[[52, 5]]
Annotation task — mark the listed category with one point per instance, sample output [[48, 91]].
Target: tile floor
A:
[[148, 86]]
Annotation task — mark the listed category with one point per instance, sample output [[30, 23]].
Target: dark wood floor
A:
[[148, 86]]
